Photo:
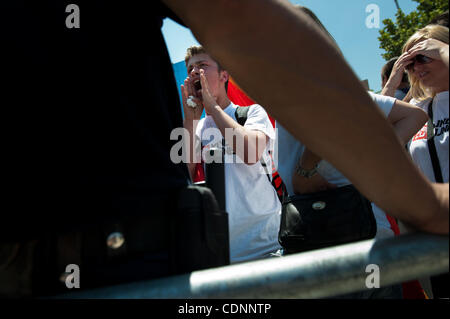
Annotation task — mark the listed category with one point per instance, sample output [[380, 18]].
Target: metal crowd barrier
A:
[[317, 274]]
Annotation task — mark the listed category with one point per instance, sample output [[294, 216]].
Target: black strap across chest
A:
[[432, 147]]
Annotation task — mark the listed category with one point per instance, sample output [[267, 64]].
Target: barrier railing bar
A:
[[316, 274]]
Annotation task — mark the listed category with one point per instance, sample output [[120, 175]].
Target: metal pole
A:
[[316, 274]]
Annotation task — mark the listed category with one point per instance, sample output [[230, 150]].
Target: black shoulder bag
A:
[[323, 219]]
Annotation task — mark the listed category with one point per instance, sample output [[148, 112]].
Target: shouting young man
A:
[[251, 201]]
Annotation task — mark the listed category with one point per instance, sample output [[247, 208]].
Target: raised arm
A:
[[407, 120], [398, 70], [281, 59], [302, 184]]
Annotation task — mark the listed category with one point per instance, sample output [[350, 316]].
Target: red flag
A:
[[238, 97]]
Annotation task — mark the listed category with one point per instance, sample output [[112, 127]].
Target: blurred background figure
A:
[[398, 91]]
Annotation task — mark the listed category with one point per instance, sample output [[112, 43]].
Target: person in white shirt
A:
[[320, 175], [425, 58], [427, 63], [271, 70], [251, 201], [406, 120]]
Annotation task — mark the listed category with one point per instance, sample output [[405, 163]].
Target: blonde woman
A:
[[425, 59], [428, 73]]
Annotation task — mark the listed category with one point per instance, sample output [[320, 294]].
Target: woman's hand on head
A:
[[431, 48]]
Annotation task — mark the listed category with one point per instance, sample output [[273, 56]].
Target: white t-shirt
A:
[[418, 147], [290, 150], [251, 201]]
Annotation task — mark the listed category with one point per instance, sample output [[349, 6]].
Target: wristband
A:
[[307, 173]]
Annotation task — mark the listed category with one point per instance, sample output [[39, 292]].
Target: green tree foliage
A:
[[395, 34]]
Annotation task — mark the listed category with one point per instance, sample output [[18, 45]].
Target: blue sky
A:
[[344, 19]]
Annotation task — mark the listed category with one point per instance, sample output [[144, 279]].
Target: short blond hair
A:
[[432, 31], [198, 49]]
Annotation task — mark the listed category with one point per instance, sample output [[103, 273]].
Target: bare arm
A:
[[248, 144], [190, 126], [236, 37], [316, 183], [406, 119], [191, 118], [395, 79]]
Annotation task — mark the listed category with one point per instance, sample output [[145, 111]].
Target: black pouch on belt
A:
[[200, 237]]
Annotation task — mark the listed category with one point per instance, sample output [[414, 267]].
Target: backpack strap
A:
[[274, 178], [241, 114]]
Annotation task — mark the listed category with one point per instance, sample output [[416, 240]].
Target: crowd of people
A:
[[101, 191], [251, 201]]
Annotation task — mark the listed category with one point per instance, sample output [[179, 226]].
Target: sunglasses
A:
[[420, 59]]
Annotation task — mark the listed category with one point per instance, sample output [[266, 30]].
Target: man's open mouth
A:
[[198, 87]]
